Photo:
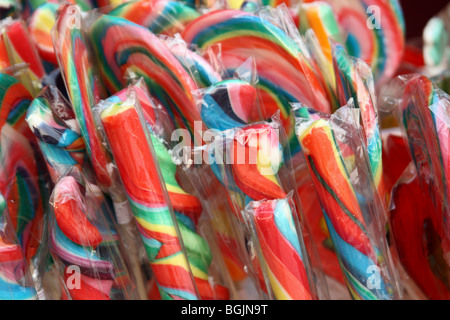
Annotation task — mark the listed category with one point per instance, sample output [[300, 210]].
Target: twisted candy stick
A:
[[282, 251], [82, 87], [318, 23], [425, 119], [40, 24], [12, 263], [19, 185], [256, 175], [285, 74], [228, 104], [74, 240], [53, 122], [159, 16], [351, 85], [152, 213], [188, 210], [139, 174], [120, 45], [355, 247]]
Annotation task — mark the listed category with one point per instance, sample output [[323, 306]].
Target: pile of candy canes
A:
[[223, 150]]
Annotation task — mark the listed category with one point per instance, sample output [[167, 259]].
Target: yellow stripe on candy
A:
[[170, 230]]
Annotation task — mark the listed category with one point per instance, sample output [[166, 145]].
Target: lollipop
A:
[[285, 74], [159, 16], [20, 48], [53, 122], [12, 264], [410, 221], [318, 23], [375, 33], [424, 113], [29, 6], [228, 104], [40, 24], [19, 185], [14, 102], [358, 249], [82, 87], [350, 85], [121, 45], [74, 240], [282, 252]]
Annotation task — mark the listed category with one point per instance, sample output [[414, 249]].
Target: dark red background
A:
[[418, 12]]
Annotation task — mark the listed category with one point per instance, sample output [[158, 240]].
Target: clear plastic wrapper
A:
[[354, 81], [251, 162], [225, 227], [318, 24], [51, 119], [17, 47], [19, 184], [166, 215], [159, 16], [202, 72], [83, 246], [280, 249], [411, 214], [285, 71], [422, 110], [84, 92], [82, 86], [337, 160], [168, 81], [442, 80], [15, 280], [232, 102]]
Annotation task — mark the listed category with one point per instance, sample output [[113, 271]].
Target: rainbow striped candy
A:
[[228, 104], [73, 240], [424, 116], [40, 24], [136, 165], [284, 71], [122, 46], [82, 87], [20, 186], [360, 253], [152, 211], [351, 85], [159, 16], [281, 249], [381, 46]]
